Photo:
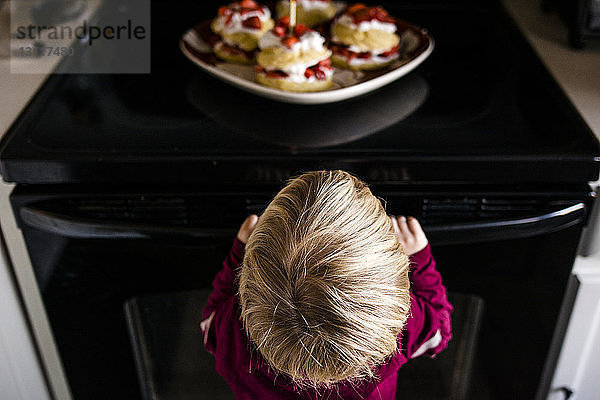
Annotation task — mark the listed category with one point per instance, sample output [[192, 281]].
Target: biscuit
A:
[[366, 66], [244, 40], [238, 58], [290, 86], [278, 58], [372, 40]]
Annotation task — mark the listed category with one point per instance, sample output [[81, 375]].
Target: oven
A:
[[93, 250], [134, 185]]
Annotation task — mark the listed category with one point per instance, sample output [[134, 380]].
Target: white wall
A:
[[20, 373], [579, 362]]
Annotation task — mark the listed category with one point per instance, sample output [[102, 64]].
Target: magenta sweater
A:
[[427, 332]]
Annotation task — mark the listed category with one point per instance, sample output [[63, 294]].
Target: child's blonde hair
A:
[[324, 287]]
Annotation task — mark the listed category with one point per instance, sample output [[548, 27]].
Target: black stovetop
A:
[[481, 109]]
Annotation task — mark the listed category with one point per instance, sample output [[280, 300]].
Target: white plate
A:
[[415, 44]]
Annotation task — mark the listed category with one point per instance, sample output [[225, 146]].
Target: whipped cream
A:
[[365, 26], [310, 40], [309, 5], [269, 40], [300, 78], [300, 68], [374, 59], [235, 25], [296, 72], [373, 52], [357, 49]]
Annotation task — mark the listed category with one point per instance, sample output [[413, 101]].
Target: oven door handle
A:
[[506, 229], [86, 228]]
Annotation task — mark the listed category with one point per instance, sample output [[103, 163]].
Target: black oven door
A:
[[92, 251]]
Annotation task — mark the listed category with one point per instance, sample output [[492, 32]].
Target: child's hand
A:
[[247, 228], [410, 234]]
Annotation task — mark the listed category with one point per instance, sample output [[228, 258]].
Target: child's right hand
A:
[[410, 234], [247, 227]]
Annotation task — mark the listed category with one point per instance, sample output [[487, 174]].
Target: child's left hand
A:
[[247, 227], [410, 234]]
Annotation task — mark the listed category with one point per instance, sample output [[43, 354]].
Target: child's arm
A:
[[428, 328], [223, 283]]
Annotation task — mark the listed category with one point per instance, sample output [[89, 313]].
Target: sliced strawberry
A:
[[340, 50], [320, 75], [387, 19], [232, 49], [308, 73], [380, 14], [290, 41], [252, 23], [280, 31], [344, 52], [276, 74], [361, 15], [390, 52], [235, 50], [284, 21], [364, 55], [301, 29], [224, 11], [228, 19], [214, 39], [248, 4], [326, 63], [353, 8]]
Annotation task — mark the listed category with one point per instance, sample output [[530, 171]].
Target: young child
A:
[[324, 296]]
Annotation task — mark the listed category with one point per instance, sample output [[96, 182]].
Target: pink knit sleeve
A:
[[223, 290], [428, 328]]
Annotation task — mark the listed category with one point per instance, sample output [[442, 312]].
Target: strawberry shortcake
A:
[[297, 61], [309, 12], [239, 26], [364, 38]]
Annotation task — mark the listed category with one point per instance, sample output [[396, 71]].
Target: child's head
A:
[[324, 287]]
